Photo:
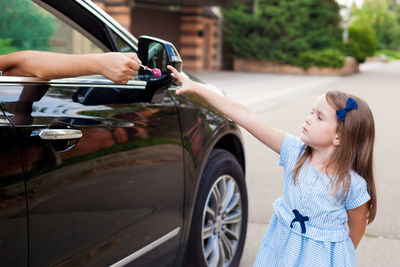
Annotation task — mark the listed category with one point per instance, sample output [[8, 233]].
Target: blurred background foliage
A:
[[24, 26], [280, 30], [309, 33], [376, 26], [6, 46], [297, 32]]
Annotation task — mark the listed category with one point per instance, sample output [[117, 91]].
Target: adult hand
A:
[[119, 67], [187, 85]]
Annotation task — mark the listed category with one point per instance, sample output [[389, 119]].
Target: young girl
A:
[[328, 178]]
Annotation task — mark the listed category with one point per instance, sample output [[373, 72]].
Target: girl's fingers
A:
[[174, 73], [182, 78]]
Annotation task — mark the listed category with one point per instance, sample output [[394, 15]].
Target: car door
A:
[[13, 213], [104, 171], [103, 162]]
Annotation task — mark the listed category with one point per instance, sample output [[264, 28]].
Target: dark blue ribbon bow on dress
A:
[[301, 219], [351, 104]]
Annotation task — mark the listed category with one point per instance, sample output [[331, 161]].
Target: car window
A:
[[26, 26], [122, 45]]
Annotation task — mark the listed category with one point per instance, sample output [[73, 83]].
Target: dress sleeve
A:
[[289, 145], [358, 193]]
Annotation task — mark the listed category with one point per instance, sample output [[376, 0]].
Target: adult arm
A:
[[357, 221], [237, 112], [118, 67]]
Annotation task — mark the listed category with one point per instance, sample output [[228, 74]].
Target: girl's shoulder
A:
[[292, 142], [358, 191], [291, 149], [356, 179]]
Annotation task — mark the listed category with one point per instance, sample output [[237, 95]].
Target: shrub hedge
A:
[[285, 31], [6, 47], [323, 58], [361, 42], [390, 54]]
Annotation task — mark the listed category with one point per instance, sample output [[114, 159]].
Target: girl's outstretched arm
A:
[[118, 67], [357, 223], [237, 112]]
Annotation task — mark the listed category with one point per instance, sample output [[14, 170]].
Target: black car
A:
[[94, 173]]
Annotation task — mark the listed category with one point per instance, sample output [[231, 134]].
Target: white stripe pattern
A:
[[326, 241]]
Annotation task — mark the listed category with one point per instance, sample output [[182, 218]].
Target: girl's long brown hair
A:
[[355, 152]]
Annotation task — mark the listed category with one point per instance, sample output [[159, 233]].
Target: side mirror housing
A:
[[157, 53]]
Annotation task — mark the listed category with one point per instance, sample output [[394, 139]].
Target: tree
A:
[[361, 42], [323, 28], [280, 30], [383, 21], [25, 24], [394, 6], [6, 47]]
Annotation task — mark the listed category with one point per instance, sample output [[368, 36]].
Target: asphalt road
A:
[[284, 101]]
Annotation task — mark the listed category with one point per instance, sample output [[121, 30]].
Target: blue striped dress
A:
[[325, 240]]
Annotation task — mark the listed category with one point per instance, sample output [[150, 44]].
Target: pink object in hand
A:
[[156, 72]]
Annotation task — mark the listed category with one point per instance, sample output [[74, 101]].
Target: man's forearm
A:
[[118, 67], [48, 65]]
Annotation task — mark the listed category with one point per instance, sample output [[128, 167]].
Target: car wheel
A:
[[219, 221]]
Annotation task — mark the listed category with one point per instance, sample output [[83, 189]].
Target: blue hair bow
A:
[[351, 104]]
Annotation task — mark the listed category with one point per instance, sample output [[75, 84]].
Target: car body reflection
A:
[[97, 193]]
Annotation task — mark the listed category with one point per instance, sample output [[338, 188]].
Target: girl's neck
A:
[[320, 160]]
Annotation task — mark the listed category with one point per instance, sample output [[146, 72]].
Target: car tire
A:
[[219, 220]]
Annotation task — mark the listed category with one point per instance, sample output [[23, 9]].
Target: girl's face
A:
[[319, 130]]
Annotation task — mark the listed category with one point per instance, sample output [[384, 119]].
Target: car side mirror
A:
[[157, 54]]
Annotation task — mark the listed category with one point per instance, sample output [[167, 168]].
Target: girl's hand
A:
[[188, 86]]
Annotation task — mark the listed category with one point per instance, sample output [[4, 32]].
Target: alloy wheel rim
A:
[[221, 222]]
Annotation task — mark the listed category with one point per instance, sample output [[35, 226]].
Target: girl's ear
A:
[[336, 141]]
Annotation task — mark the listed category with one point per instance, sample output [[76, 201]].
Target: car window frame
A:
[[110, 28], [82, 81], [79, 10]]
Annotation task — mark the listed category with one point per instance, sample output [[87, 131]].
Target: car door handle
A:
[[57, 134]]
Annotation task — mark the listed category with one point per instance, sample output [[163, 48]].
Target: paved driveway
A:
[[284, 101]]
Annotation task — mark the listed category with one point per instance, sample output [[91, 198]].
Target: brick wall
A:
[[199, 40], [120, 10]]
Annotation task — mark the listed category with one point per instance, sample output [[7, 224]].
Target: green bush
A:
[[25, 24], [323, 28], [383, 17], [353, 49], [281, 30], [6, 47], [323, 58], [361, 42], [390, 54]]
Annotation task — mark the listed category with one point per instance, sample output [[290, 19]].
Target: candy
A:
[[156, 72]]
